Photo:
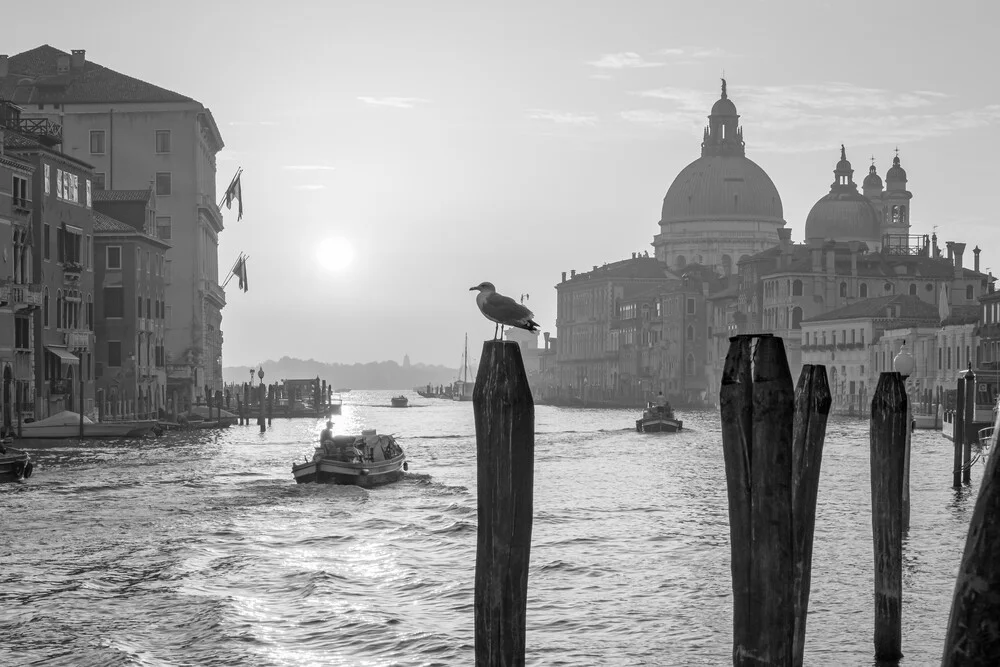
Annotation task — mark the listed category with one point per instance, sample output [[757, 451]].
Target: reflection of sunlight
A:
[[335, 254]]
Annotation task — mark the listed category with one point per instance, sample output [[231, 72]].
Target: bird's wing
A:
[[505, 309]]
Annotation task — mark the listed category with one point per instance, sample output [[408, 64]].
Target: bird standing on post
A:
[[503, 310]]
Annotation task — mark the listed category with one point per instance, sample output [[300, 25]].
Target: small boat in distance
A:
[[336, 404], [400, 401], [658, 419], [364, 460], [344, 390], [68, 424], [15, 464]]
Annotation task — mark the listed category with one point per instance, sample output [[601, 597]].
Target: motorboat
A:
[[69, 424], [15, 464], [364, 460], [658, 419], [400, 401]]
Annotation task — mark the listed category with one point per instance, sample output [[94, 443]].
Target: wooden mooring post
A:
[[888, 431], [958, 428], [969, 435], [505, 454], [973, 636], [772, 440]]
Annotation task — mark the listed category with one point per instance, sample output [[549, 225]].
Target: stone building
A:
[[988, 331], [721, 207], [136, 134]]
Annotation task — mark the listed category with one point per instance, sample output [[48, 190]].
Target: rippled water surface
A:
[[201, 549]]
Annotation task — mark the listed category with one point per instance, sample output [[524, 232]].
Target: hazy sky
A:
[[449, 143]]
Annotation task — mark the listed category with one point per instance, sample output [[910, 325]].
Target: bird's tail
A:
[[532, 326]]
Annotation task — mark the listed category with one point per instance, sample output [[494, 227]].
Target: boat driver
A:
[[661, 402], [327, 433]]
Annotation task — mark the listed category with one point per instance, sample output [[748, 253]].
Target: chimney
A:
[[633, 255], [78, 58], [564, 276], [951, 252], [572, 273], [546, 334], [62, 63], [3, 66], [959, 251], [937, 251], [975, 262], [595, 267]]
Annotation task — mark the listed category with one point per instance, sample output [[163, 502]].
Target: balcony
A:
[[213, 292], [211, 211], [143, 324], [22, 296], [72, 271], [78, 339], [41, 130], [178, 372], [61, 386], [21, 206]]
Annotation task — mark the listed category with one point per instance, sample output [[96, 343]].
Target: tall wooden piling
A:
[[772, 443], [970, 435], [888, 452], [505, 448], [973, 636], [260, 407], [958, 428]]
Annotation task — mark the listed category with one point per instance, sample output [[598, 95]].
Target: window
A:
[[863, 290], [689, 365], [149, 308], [163, 183], [138, 306], [114, 302], [45, 308], [690, 332], [690, 306], [969, 294], [20, 193], [99, 180], [114, 353], [797, 288], [48, 188], [47, 242], [90, 312], [913, 289], [114, 257], [97, 142], [163, 141], [796, 318]]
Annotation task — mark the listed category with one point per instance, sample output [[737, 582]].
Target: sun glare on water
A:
[[335, 254]]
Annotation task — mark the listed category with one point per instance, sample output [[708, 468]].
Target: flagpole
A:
[[229, 276], [223, 200]]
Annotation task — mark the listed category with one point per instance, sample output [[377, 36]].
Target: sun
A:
[[335, 254]]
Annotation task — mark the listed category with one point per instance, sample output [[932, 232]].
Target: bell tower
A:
[[896, 200], [723, 135]]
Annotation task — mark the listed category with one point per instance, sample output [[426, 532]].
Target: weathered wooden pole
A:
[[260, 407], [812, 408], [958, 428], [505, 451], [772, 443], [970, 435], [271, 389], [888, 453], [973, 637]]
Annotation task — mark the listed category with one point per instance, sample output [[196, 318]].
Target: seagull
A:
[[503, 310]]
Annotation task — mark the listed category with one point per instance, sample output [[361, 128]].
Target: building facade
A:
[[137, 135], [131, 303], [19, 295]]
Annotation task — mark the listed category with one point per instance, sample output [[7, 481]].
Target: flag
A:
[[240, 271], [235, 191]]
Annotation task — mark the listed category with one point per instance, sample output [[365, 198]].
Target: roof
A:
[[33, 78], [636, 268], [722, 187], [730, 292], [122, 195], [910, 308], [964, 314], [107, 224], [18, 143]]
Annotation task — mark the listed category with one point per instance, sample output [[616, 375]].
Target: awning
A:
[[64, 355]]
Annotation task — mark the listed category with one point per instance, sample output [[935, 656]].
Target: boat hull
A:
[[400, 402], [15, 465], [332, 471], [658, 425], [99, 430]]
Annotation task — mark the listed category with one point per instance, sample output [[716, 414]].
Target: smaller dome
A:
[[844, 164], [895, 173], [843, 217], [725, 106], [872, 180]]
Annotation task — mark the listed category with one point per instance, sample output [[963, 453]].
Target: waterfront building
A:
[[62, 223], [843, 339], [131, 302], [20, 296], [722, 310], [528, 342], [136, 133], [988, 331], [722, 207], [587, 305]]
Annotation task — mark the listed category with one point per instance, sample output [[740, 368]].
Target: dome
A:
[[724, 107], [722, 187], [895, 173], [844, 214], [872, 180]]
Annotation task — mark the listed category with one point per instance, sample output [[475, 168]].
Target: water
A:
[[199, 549]]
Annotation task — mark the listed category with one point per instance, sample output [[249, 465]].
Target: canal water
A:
[[199, 548]]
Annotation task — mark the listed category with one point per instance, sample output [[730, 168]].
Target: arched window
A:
[[690, 332], [863, 290], [680, 262], [796, 318], [843, 290], [888, 288], [797, 288], [895, 215], [727, 264], [59, 308], [689, 365], [913, 289], [969, 292], [45, 308], [902, 215]]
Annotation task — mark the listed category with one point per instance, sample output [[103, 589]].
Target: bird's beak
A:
[[473, 289]]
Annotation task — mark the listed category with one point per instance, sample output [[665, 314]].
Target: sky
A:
[[397, 153]]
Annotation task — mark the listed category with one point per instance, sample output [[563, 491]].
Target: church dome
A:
[[872, 180], [720, 187], [723, 184], [844, 214], [895, 173]]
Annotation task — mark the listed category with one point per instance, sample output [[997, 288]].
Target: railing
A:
[[61, 386], [41, 128], [212, 208], [986, 437], [77, 339], [22, 204], [26, 295], [214, 291]]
